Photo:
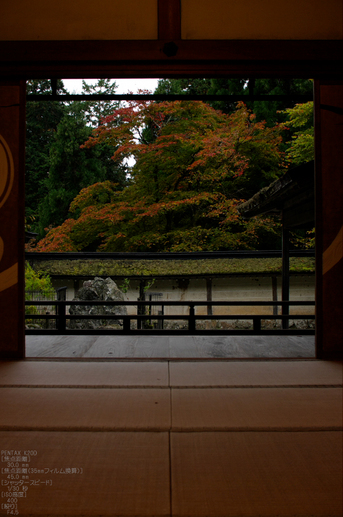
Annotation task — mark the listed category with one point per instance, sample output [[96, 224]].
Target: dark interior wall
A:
[[198, 20]]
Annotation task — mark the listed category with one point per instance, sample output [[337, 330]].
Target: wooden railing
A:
[[191, 318]]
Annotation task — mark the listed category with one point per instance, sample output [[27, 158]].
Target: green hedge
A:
[[129, 268]]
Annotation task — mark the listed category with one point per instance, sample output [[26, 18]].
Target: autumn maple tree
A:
[[193, 166]]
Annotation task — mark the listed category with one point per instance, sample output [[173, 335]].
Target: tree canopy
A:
[[56, 168], [271, 112], [193, 165], [42, 119], [70, 169]]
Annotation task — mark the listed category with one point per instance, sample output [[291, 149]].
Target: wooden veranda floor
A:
[[171, 347]]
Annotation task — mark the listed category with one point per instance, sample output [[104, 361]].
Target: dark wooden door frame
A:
[[172, 57]]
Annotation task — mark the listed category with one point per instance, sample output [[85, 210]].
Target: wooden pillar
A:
[[12, 136], [329, 218]]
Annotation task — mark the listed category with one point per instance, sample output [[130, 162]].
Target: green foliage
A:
[[303, 239], [95, 111], [70, 169], [95, 195], [93, 114], [149, 284], [56, 168], [124, 287], [187, 181], [272, 111], [194, 86], [42, 119], [37, 281], [300, 120]]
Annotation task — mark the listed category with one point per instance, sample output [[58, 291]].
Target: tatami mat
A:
[[174, 439], [118, 474], [257, 474], [145, 409], [256, 373], [182, 373], [257, 408], [90, 374], [84, 409]]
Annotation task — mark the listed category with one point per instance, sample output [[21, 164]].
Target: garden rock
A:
[[98, 289]]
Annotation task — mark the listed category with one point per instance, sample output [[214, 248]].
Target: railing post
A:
[[257, 323], [126, 323], [209, 296], [285, 275], [139, 321], [191, 321], [61, 319], [46, 322], [141, 308], [274, 295], [160, 322]]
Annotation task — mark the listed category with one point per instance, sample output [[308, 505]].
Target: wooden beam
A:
[[166, 97], [73, 59]]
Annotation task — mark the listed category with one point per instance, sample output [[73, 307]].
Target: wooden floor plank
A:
[[190, 347], [58, 346], [112, 347]]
